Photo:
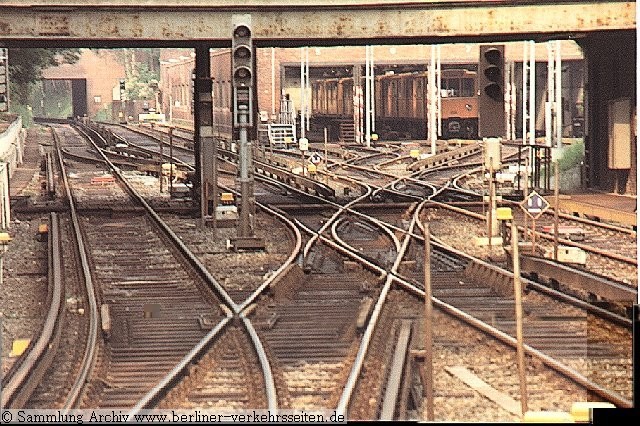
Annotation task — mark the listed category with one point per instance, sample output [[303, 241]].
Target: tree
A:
[[26, 65], [142, 69], [142, 83]]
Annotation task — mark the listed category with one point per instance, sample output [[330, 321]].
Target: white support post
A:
[[432, 100], [438, 91], [558, 89], [507, 99], [514, 100], [549, 117], [525, 77], [273, 82], [372, 75], [367, 95], [307, 88], [5, 203], [302, 94], [532, 93]]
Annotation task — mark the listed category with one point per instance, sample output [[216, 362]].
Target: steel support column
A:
[[204, 181]]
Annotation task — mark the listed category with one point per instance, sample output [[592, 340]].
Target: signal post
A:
[[243, 78], [491, 125]]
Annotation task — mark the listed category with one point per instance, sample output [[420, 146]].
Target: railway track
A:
[[309, 320], [545, 335], [157, 310], [622, 357], [154, 397], [545, 327], [452, 220], [22, 378], [221, 380]]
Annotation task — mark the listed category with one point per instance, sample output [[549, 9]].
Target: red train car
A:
[[401, 104]]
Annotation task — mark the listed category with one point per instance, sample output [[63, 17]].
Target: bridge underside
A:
[[90, 23]]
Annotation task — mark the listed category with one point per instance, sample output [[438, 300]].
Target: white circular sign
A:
[[315, 158]]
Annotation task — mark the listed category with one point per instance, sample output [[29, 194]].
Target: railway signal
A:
[[491, 119], [534, 205], [242, 76], [242, 67], [122, 89]]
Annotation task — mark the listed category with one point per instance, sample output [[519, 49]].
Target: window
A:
[[420, 88], [451, 86], [467, 87]]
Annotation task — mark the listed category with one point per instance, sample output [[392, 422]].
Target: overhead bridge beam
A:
[[322, 22]]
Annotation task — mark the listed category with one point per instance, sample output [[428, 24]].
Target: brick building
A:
[[278, 71], [94, 82]]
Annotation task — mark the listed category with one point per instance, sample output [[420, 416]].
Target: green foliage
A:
[[103, 114], [142, 69], [142, 83], [572, 155], [26, 65], [25, 112], [56, 103]]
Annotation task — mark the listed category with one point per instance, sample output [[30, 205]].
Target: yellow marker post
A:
[[547, 417], [581, 411], [504, 213], [18, 347]]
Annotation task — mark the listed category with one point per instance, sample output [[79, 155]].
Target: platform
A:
[[605, 207], [24, 173]]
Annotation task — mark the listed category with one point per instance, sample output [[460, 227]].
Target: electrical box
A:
[[620, 134], [568, 254], [492, 153]]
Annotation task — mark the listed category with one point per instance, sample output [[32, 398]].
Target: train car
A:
[[401, 104]]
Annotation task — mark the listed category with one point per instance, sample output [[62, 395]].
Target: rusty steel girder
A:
[[322, 21]]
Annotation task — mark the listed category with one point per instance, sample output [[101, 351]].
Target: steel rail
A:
[[393, 276], [390, 277], [584, 220], [438, 243], [566, 371], [343, 403], [88, 360], [19, 383], [392, 236], [152, 397], [564, 241]]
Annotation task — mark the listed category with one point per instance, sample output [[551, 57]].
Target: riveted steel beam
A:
[[337, 22]]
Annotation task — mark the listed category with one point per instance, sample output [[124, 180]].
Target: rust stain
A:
[[437, 24], [136, 28], [53, 25]]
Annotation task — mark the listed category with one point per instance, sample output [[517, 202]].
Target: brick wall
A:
[[102, 72]]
